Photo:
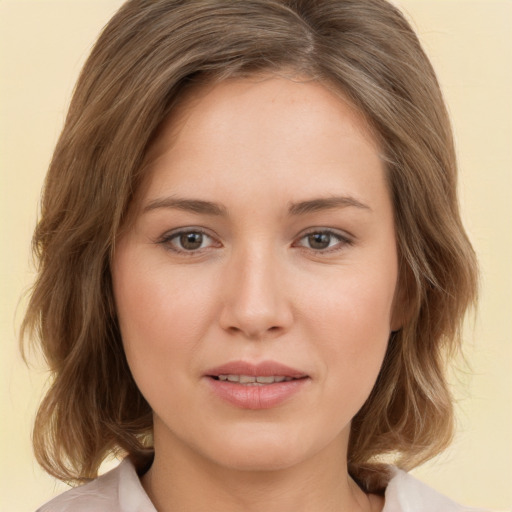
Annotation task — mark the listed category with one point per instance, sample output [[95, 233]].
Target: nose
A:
[[255, 298]]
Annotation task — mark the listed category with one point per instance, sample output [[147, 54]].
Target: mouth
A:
[[264, 373], [256, 386], [251, 380]]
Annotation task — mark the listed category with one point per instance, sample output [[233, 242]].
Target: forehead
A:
[[254, 99], [249, 132]]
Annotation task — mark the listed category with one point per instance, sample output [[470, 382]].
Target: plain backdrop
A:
[[43, 44]]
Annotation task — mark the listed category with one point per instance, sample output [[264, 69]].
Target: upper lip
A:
[[262, 369]]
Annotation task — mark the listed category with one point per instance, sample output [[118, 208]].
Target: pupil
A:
[[319, 240], [191, 241]]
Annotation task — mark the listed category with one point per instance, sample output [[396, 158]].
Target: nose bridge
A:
[[255, 302]]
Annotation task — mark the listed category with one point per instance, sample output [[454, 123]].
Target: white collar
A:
[[120, 490]]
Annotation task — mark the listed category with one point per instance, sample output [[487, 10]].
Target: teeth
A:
[[264, 380], [254, 380]]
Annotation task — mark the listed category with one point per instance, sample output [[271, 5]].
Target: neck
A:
[[182, 480]]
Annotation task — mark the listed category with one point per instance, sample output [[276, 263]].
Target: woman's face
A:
[[255, 287]]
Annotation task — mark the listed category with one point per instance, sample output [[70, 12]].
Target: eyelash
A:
[[167, 240], [342, 240]]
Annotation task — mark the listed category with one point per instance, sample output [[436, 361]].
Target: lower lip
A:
[[256, 397]]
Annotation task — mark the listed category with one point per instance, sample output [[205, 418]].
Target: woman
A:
[[252, 264]]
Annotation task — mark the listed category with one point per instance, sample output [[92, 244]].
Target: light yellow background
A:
[[43, 44]]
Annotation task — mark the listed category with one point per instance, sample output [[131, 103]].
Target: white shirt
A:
[[120, 490]]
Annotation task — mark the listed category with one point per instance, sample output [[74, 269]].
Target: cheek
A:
[[350, 318], [357, 305], [161, 315]]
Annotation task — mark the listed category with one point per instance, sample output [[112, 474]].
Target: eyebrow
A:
[[295, 209], [190, 205], [326, 203]]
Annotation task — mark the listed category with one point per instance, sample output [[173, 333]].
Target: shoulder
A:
[[405, 493], [118, 490]]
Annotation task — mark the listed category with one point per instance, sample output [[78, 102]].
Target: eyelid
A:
[[166, 238], [344, 238]]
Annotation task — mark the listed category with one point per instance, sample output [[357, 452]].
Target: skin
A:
[[257, 288]]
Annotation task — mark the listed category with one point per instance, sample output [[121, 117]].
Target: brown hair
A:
[[148, 55]]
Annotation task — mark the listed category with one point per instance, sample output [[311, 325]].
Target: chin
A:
[[261, 450], [264, 459]]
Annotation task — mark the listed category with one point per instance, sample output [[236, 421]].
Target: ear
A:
[[404, 300]]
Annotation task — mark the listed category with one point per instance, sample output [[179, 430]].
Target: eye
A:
[[189, 240], [323, 240]]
